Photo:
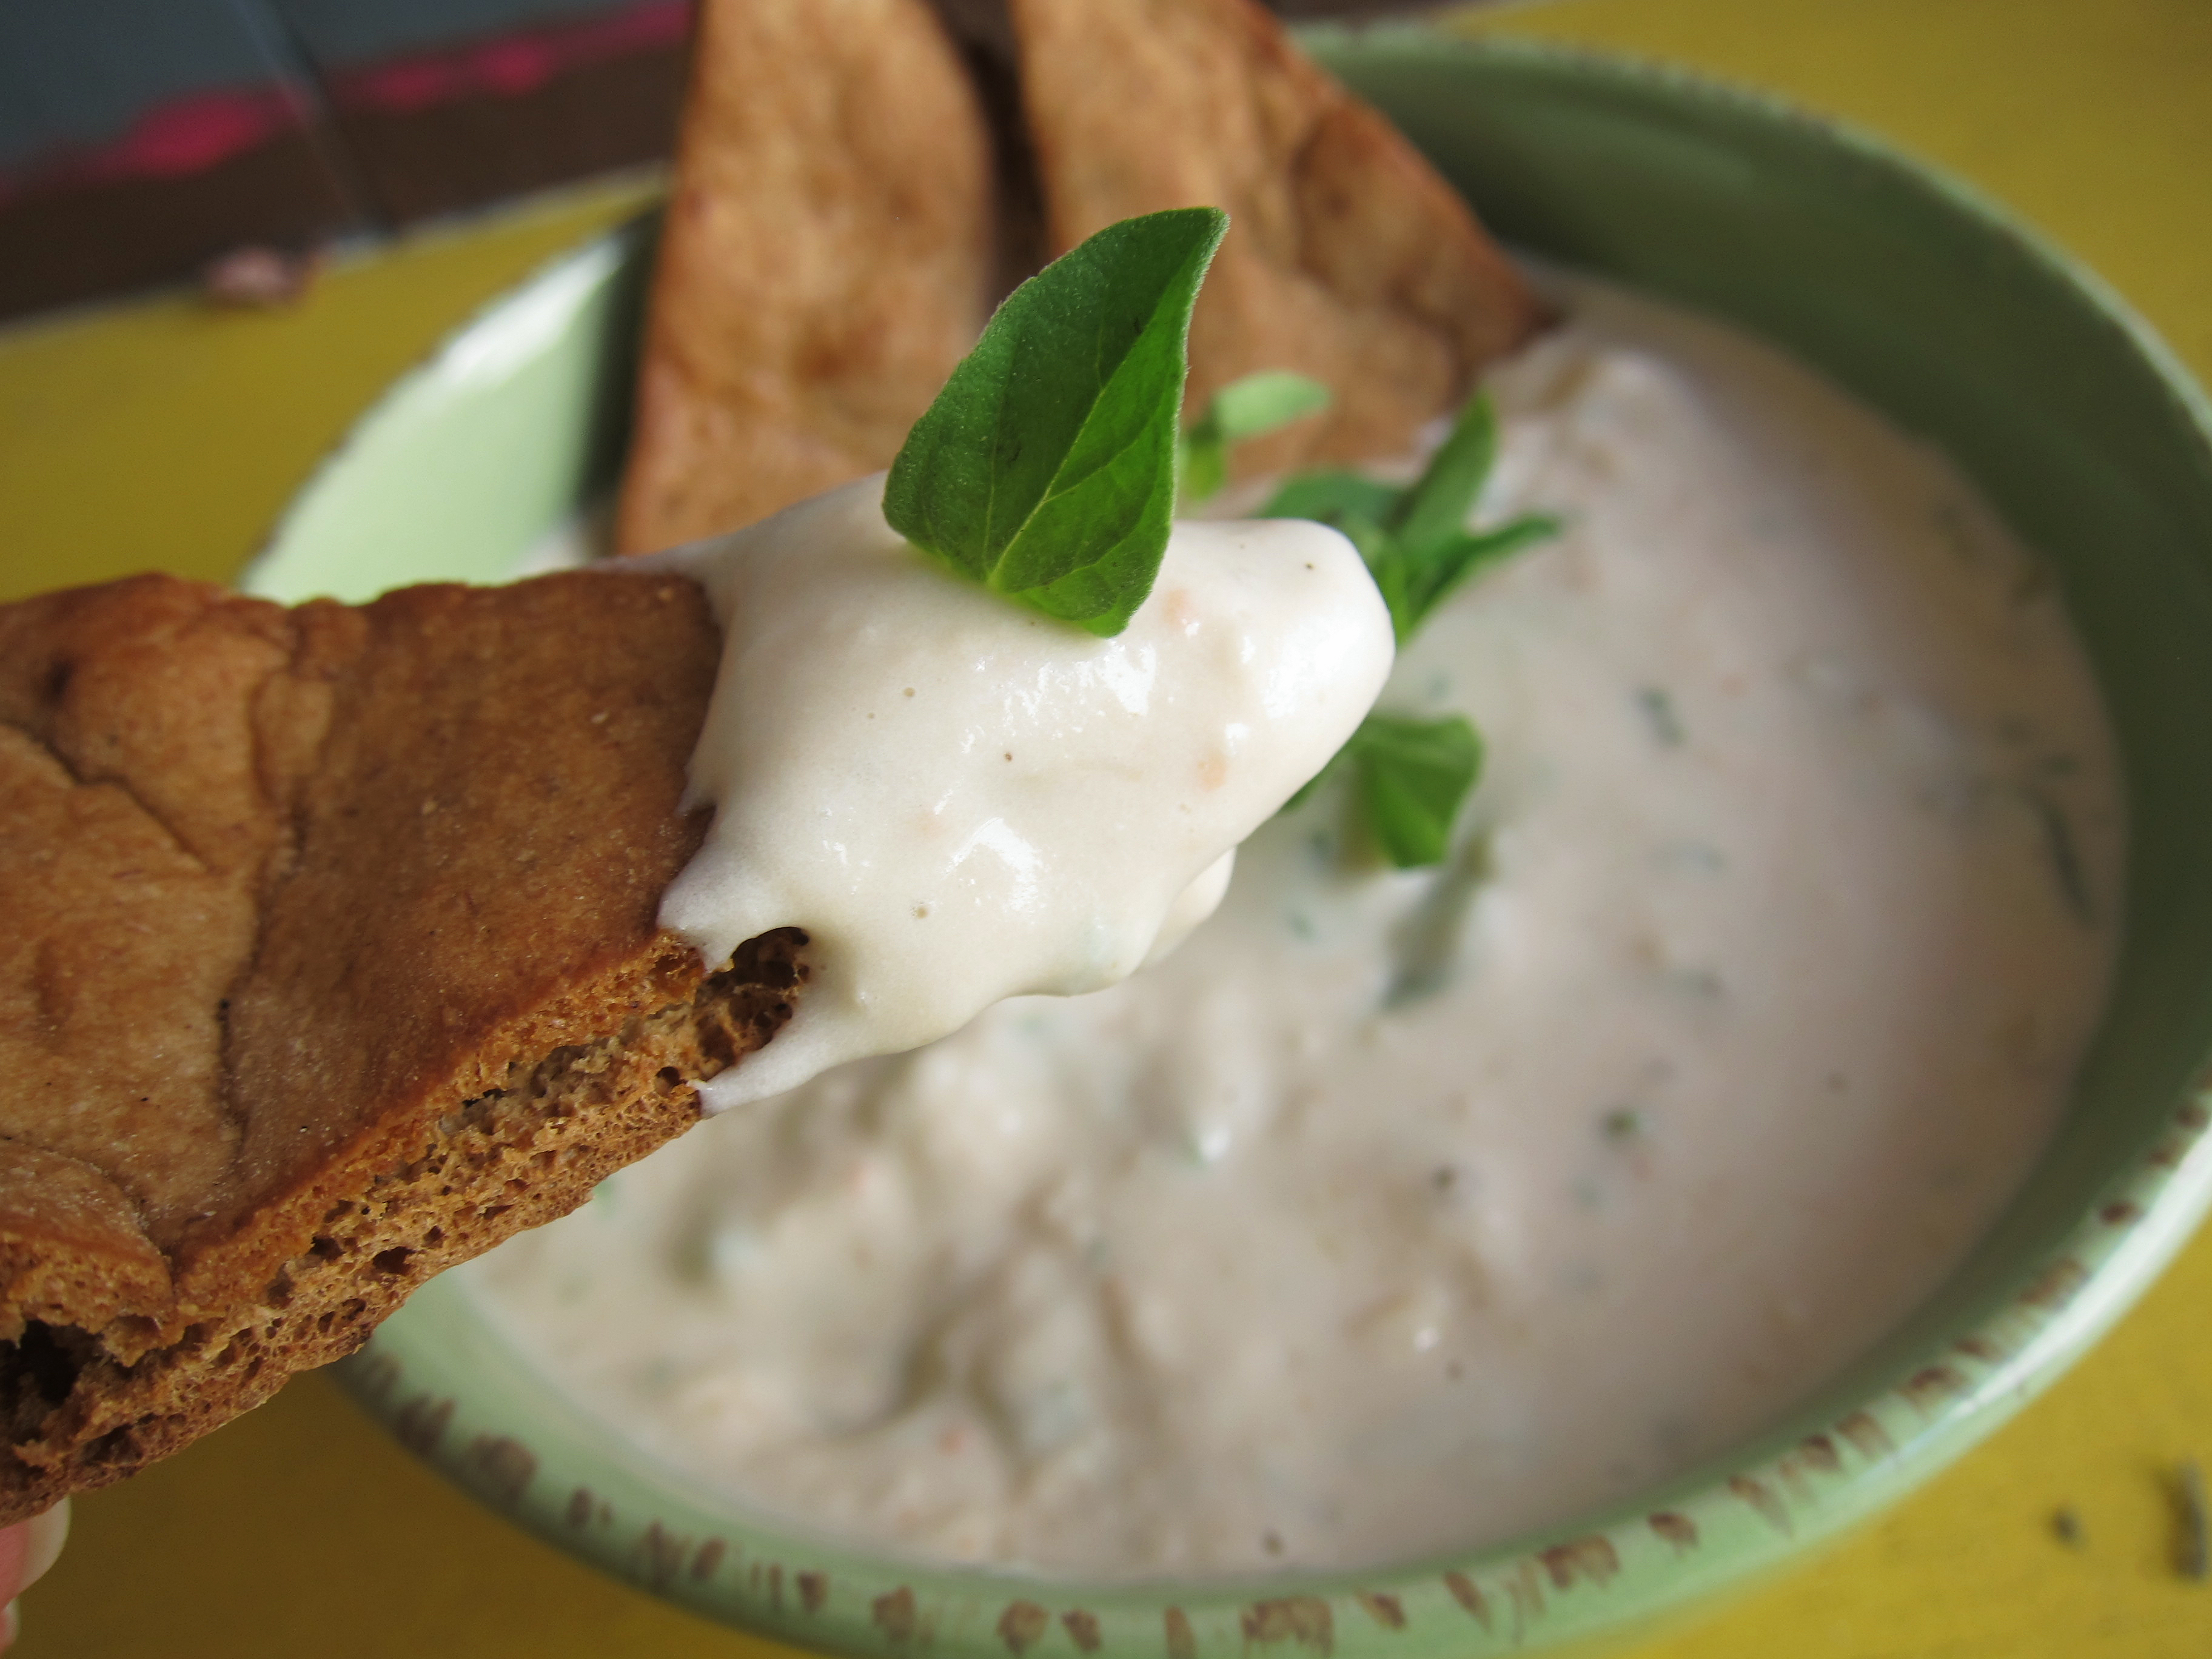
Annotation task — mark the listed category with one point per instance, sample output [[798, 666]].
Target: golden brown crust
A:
[[72, 1249], [1348, 258], [339, 963], [825, 262], [100, 829]]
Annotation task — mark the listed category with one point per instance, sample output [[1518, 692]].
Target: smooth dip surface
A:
[[960, 800], [1399, 1212]]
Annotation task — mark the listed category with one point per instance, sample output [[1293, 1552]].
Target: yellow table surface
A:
[[166, 434]]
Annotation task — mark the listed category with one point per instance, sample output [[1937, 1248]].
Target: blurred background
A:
[[140, 140]]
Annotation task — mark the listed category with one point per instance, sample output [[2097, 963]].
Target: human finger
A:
[[27, 1550]]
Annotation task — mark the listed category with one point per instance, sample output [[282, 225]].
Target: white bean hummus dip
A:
[[1397, 1213], [966, 800]]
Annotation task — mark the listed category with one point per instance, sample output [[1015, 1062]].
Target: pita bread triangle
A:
[[828, 256], [1348, 257], [306, 994]]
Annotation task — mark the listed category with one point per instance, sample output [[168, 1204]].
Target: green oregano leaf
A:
[[1414, 775], [1439, 500], [1249, 408], [1413, 537], [1415, 580], [1266, 402], [1347, 500], [1046, 469]]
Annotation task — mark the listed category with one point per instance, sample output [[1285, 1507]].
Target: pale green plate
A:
[[1907, 288]]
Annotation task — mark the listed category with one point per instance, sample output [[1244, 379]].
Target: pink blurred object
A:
[[261, 278], [27, 1550], [513, 63]]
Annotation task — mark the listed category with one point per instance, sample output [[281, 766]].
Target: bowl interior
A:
[[1901, 286]]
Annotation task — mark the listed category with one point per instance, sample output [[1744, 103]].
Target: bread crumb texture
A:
[[330, 960]]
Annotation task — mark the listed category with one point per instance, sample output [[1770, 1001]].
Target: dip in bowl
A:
[[1901, 288]]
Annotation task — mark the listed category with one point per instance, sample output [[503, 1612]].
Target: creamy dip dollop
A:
[[1398, 1212], [961, 799]]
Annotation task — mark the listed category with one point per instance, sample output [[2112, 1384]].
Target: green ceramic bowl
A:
[[1910, 290]]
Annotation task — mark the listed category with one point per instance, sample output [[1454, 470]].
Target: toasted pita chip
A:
[[331, 959], [1348, 259], [827, 260]]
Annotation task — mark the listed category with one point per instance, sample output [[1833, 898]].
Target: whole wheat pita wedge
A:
[[331, 959], [1347, 258], [828, 256]]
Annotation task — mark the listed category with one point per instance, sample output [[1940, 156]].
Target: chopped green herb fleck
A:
[[1697, 857], [1658, 711], [1623, 1123], [1701, 983]]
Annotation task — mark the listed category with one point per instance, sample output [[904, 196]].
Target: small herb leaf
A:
[[1438, 503], [1263, 402], [1412, 776], [1422, 575], [1045, 469], [1414, 536], [1203, 466], [1249, 408], [1344, 500]]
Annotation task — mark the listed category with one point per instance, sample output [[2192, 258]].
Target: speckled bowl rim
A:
[[451, 1394]]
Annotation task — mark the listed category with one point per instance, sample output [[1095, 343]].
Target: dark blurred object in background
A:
[[446, 104], [141, 140]]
